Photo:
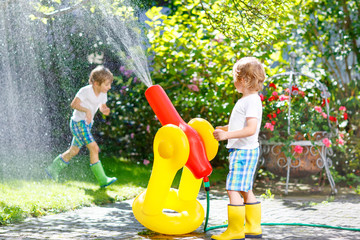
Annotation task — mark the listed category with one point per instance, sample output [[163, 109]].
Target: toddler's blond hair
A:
[[251, 72], [100, 74]]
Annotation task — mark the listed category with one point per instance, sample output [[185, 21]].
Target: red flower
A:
[[273, 122], [274, 115], [272, 98], [332, 118], [345, 116], [323, 102], [278, 111], [269, 116], [272, 85], [295, 90], [262, 97]]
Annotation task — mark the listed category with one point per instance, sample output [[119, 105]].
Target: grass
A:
[[77, 187]]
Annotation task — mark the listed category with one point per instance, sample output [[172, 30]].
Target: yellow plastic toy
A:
[[164, 209]]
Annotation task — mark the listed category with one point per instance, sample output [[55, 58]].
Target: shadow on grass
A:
[[125, 171], [99, 196]]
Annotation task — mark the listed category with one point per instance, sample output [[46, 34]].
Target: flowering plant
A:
[[301, 112]]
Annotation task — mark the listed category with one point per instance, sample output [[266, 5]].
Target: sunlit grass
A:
[[77, 187]]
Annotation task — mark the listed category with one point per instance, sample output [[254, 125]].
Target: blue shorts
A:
[[242, 166], [81, 133]]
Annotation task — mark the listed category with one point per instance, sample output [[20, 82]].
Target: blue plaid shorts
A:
[[81, 133], [242, 168]]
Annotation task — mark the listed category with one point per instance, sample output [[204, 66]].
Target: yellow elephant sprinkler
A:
[[176, 145]]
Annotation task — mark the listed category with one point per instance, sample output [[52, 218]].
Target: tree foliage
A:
[[236, 18], [193, 48], [193, 63]]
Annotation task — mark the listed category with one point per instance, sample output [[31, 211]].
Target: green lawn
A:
[[77, 187]]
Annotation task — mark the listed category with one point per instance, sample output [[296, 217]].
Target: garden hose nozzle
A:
[[206, 184]]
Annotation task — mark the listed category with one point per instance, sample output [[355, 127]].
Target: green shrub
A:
[[193, 64]]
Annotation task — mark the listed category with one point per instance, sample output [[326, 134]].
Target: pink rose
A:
[[193, 87], [269, 126], [324, 115], [298, 149], [326, 142], [342, 108], [302, 93], [146, 162], [318, 109], [340, 141], [283, 97]]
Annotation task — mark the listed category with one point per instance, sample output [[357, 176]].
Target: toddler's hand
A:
[[88, 117], [224, 128], [106, 111], [220, 135]]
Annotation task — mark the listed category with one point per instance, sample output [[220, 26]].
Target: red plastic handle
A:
[[198, 162]]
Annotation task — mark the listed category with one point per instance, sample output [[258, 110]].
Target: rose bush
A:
[[308, 110]]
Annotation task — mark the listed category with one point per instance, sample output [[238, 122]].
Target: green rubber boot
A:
[[99, 173], [55, 168]]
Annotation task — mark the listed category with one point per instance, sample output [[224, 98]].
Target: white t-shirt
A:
[[249, 106], [90, 101]]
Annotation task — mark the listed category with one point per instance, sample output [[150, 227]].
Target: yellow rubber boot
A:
[[235, 230], [253, 220]]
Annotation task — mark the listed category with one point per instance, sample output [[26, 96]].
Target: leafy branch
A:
[[234, 18], [62, 11]]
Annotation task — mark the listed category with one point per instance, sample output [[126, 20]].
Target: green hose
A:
[[207, 188]]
